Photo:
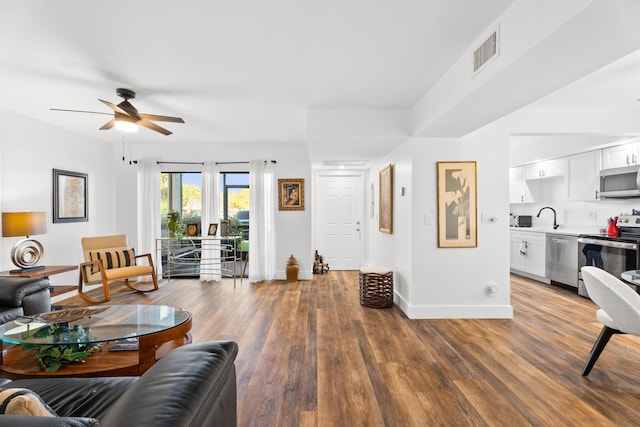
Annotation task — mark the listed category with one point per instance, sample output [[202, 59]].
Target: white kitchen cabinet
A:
[[519, 191], [583, 175], [528, 253], [547, 169], [621, 155]]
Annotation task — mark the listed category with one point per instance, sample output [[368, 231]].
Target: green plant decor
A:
[[175, 226], [52, 356]]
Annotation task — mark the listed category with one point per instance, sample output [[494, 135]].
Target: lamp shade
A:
[[125, 123], [23, 223]]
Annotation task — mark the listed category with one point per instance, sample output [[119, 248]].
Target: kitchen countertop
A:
[[566, 230]]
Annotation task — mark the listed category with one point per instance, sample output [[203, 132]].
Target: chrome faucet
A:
[[555, 224]]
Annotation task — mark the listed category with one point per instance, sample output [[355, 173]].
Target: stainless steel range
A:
[[612, 254]]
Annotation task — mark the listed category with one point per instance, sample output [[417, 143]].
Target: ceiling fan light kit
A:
[[127, 118], [125, 123]]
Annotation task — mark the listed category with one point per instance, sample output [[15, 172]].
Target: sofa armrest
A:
[[191, 385], [29, 421], [14, 289]]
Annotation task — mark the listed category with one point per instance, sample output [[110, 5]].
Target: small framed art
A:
[[291, 194], [70, 196], [385, 204]]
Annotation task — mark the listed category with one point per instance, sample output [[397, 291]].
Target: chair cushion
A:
[[124, 272], [113, 258]]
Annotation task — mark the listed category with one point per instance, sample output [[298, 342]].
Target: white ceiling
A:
[[248, 71], [236, 71]]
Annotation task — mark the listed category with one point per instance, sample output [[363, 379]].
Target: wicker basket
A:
[[376, 287]]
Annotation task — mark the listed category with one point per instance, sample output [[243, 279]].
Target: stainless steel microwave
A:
[[621, 182]]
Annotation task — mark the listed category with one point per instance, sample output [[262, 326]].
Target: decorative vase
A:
[[292, 269]]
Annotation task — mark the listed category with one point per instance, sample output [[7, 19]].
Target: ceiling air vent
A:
[[486, 52]]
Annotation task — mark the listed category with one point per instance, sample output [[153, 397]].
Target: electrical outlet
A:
[[492, 290], [593, 215]]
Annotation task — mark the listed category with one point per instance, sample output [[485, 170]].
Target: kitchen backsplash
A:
[[593, 213], [568, 213]]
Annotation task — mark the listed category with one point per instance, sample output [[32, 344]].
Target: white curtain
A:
[[210, 266], [149, 210], [262, 253]]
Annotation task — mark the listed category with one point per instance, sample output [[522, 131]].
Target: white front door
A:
[[339, 219]]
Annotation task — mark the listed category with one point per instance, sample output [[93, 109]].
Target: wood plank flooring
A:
[[311, 355]]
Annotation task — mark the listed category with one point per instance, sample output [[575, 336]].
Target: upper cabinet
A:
[[548, 169], [621, 155], [583, 175], [518, 188]]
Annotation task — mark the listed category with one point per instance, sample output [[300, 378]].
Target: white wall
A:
[[30, 150], [293, 228], [430, 282], [433, 282]]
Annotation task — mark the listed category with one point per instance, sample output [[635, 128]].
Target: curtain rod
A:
[[236, 163], [202, 163], [180, 163]]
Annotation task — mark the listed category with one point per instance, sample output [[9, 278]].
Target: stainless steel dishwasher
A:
[[562, 259]]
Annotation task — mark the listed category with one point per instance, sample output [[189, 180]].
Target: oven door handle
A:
[[608, 243]]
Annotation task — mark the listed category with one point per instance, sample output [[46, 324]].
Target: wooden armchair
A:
[[107, 259]]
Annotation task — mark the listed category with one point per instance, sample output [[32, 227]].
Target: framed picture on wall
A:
[[457, 205], [291, 194], [192, 230], [385, 204], [70, 196]]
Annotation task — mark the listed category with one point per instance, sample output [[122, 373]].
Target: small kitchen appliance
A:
[[520, 221]]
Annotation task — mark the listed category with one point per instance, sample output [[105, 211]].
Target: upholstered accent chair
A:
[[109, 259], [619, 309]]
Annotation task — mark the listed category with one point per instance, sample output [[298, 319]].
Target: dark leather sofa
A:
[[23, 296], [193, 385]]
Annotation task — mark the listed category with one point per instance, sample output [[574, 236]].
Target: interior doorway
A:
[[339, 218]]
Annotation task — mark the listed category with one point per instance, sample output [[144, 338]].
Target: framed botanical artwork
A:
[[213, 229], [70, 196], [457, 205], [385, 204], [291, 194]]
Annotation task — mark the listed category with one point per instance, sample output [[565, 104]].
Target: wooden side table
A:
[[47, 271]]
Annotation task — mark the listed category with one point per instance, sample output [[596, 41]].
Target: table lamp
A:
[[26, 253]]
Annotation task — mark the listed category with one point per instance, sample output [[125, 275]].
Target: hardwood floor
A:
[[311, 355]]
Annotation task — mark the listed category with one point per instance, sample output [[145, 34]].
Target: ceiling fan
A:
[[127, 117]]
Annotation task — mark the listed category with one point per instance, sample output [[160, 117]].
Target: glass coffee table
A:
[[156, 328]]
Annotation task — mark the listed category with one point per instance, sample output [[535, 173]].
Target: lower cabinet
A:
[[528, 253]]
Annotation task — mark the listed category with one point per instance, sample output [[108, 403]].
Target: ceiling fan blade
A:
[[161, 118], [114, 107], [80, 111], [108, 125], [153, 126]]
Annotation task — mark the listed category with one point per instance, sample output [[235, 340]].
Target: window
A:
[[181, 192], [234, 203]]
